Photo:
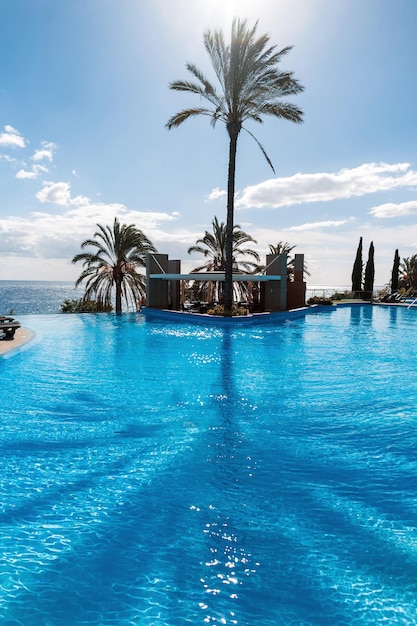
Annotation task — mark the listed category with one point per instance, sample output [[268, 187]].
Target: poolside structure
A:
[[165, 283]]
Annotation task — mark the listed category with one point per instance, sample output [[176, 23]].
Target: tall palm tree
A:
[[117, 253], [213, 247], [251, 87]]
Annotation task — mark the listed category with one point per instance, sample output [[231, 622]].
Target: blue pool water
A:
[[154, 474]]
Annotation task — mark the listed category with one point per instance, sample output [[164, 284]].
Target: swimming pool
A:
[[169, 474]]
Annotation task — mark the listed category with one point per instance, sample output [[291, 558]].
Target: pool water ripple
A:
[[156, 474]]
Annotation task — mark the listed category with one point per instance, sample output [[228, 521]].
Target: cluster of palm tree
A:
[[250, 87], [116, 255], [213, 247]]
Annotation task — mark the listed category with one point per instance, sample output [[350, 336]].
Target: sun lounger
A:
[[8, 327]]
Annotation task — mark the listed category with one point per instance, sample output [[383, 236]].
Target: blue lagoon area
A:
[[168, 474]]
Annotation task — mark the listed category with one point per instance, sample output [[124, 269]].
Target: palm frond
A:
[[262, 149], [185, 85], [182, 116]]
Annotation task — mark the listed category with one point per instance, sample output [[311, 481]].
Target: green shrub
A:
[[343, 295], [319, 300], [219, 309], [83, 306]]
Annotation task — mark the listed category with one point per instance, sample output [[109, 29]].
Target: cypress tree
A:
[[395, 272], [368, 285], [357, 270]]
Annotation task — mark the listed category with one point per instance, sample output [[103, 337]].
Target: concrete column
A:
[[276, 290], [174, 295], [299, 268], [296, 290], [156, 288]]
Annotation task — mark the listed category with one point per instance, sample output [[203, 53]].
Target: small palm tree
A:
[[283, 247], [213, 247], [117, 253], [408, 273], [251, 87]]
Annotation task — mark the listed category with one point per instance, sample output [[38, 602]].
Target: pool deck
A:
[[408, 305], [22, 336]]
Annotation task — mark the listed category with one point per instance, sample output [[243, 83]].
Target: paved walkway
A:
[[21, 336]]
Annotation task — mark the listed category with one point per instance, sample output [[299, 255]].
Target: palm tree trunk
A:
[[118, 295], [233, 130]]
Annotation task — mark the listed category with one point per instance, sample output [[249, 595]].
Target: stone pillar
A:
[[299, 268], [275, 291], [156, 288], [296, 290], [174, 294]]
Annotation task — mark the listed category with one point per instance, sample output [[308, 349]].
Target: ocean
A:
[[27, 297]]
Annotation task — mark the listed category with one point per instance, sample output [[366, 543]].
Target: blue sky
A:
[[84, 100]]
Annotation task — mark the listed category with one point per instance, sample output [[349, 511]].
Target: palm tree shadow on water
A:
[[230, 576], [227, 398], [240, 567]]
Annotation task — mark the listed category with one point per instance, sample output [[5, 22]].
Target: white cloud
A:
[[394, 210], [7, 158], [42, 154], [80, 201], [26, 174], [317, 225], [324, 186], [215, 194], [34, 172], [11, 138], [59, 235], [55, 233], [82, 209], [47, 152], [56, 193]]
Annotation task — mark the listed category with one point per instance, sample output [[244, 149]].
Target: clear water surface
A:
[[160, 474]]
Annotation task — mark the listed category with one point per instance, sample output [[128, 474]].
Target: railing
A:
[[329, 292]]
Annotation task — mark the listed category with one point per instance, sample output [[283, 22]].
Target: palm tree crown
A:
[[283, 247], [213, 247], [117, 252], [408, 273], [250, 87]]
